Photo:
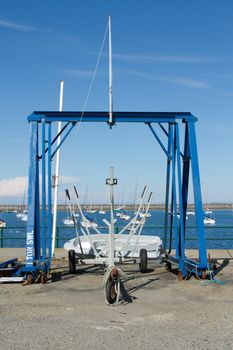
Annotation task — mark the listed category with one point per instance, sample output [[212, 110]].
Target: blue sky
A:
[[172, 55]]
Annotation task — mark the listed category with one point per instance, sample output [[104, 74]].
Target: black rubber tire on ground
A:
[[72, 261], [111, 291], [143, 261]]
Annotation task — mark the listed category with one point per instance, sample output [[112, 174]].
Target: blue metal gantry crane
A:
[[180, 164]]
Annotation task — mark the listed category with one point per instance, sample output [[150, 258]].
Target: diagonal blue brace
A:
[[197, 197]]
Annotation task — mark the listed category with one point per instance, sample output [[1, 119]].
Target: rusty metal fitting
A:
[[114, 272]]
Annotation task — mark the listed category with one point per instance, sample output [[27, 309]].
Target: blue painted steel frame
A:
[[177, 181]]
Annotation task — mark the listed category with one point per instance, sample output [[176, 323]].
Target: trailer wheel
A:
[[72, 261], [43, 278], [111, 291], [143, 261]]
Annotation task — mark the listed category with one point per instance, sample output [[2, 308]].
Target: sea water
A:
[[218, 236]]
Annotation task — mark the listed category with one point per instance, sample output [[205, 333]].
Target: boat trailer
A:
[[110, 250]]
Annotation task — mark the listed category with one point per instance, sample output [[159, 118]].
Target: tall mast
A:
[[56, 178], [110, 69]]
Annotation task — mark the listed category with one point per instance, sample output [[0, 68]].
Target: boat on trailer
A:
[[128, 243], [153, 245]]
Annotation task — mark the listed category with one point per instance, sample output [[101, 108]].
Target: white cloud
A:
[[69, 180], [68, 38], [139, 58], [188, 82], [17, 187], [20, 26], [13, 187], [77, 73]]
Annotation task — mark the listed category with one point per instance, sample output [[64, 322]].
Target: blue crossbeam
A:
[[118, 117]]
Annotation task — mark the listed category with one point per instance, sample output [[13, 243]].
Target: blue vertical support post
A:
[[167, 187], [32, 236], [49, 194], [171, 224], [185, 175], [37, 211], [181, 221], [203, 263], [43, 184], [174, 201]]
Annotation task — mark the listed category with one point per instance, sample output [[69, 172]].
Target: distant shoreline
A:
[[11, 208]]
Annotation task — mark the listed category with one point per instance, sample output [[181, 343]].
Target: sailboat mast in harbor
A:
[[56, 177], [110, 69]]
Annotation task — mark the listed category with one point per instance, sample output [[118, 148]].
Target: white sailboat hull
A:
[[68, 222], [153, 245], [209, 221]]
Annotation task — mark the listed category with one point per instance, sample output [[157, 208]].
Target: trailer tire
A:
[[143, 261], [72, 261], [111, 291], [43, 278]]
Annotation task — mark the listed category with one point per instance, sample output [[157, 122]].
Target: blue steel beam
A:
[[32, 196], [167, 187], [181, 221], [37, 210], [158, 139], [62, 140], [43, 184], [49, 181], [197, 197], [118, 117], [174, 183], [186, 170], [57, 136]]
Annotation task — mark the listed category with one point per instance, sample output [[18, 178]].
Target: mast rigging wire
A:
[[89, 90]]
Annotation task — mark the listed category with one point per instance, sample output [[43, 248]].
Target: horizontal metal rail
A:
[[60, 239]]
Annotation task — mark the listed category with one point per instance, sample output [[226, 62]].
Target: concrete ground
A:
[[162, 312]]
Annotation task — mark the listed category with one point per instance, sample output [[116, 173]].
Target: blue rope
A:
[[212, 281]]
